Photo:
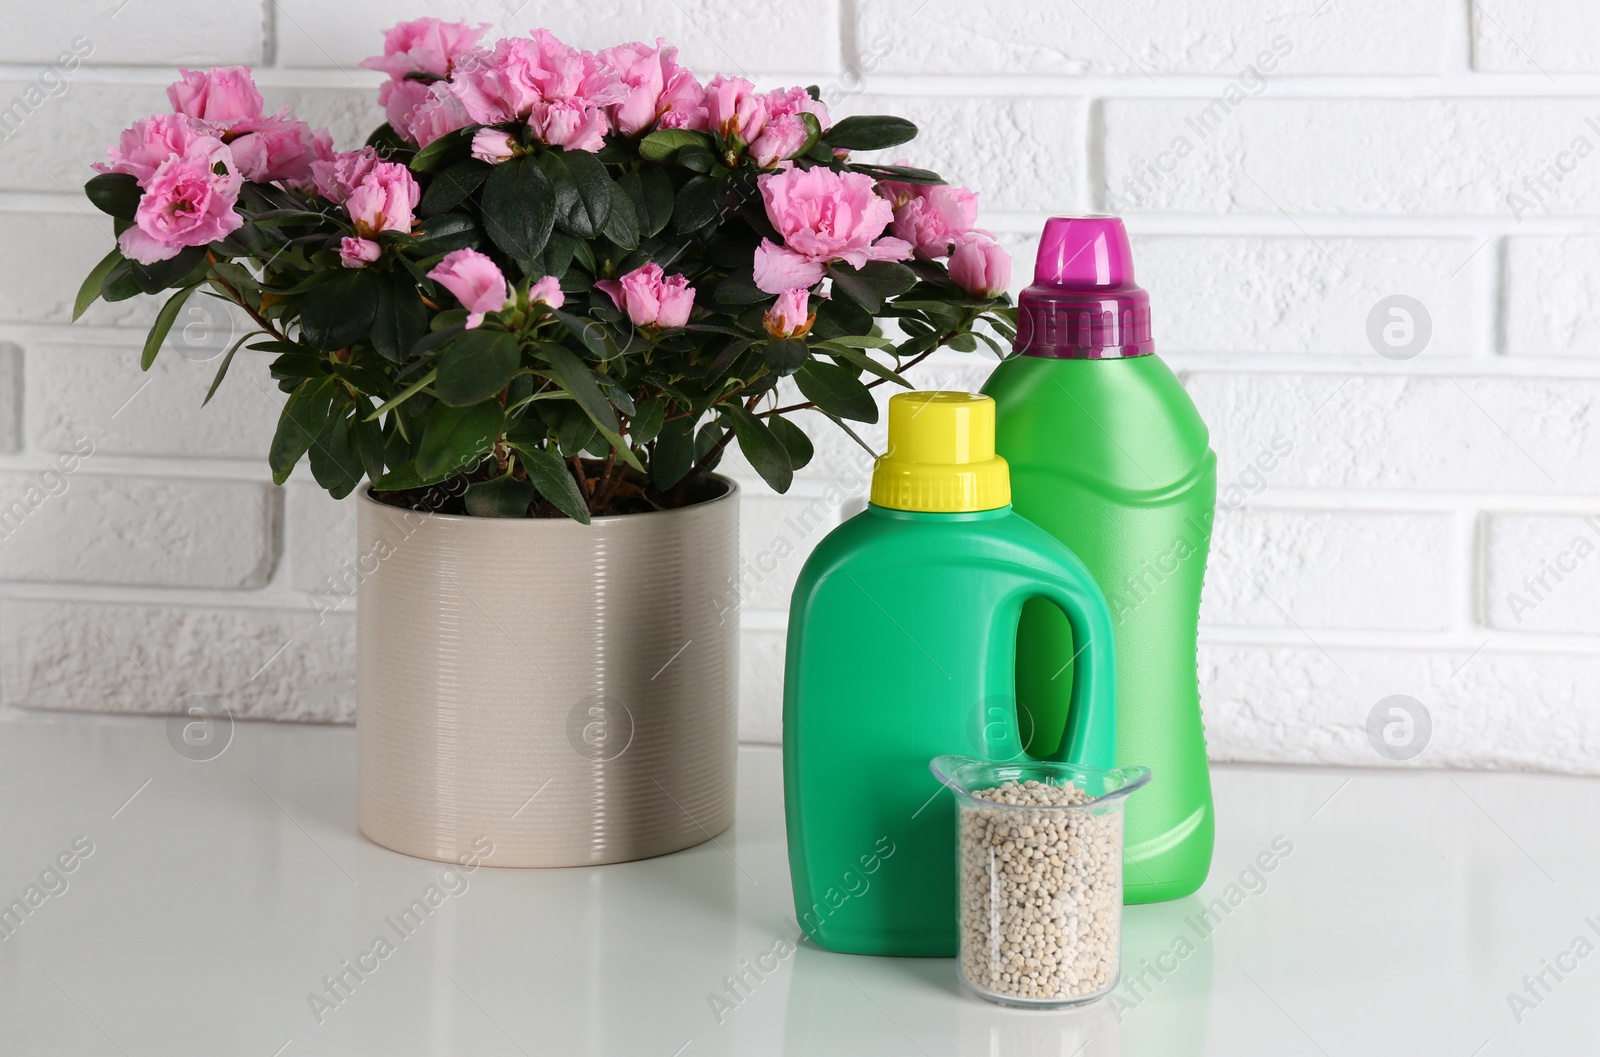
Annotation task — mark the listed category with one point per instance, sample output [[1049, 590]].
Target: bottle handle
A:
[[1090, 739]]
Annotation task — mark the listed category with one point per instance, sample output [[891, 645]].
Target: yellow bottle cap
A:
[[941, 455]]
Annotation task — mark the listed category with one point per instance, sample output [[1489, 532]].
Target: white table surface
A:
[[218, 895]]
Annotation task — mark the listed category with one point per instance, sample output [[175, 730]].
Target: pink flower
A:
[[547, 291], [780, 140], [441, 112], [222, 95], [788, 318], [415, 54], [476, 282], [357, 252], [277, 147], [650, 298], [425, 46], [981, 268], [786, 132], [383, 200], [493, 146], [148, 142], [186, 203], [786, 101], [337, 176], [657, 86], [569, 123], [518, 75], [823, 216], [400, 101], [933, 217], [265, 147], [734, 109]]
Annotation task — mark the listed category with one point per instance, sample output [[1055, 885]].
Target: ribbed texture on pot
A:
[[566, 692]]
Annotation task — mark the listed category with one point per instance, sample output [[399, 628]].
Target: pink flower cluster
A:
[[650, 297], [441, 80], [825, 216], [937, 220], [191, 163], [480, 286]]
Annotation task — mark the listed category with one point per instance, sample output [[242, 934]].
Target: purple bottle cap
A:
[[1083, 303]]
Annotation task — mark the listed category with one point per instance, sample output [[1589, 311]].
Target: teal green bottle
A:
[[902, 647], [1109, 455]]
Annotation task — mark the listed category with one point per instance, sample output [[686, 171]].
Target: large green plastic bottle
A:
[[902, 647], [1109, 455]]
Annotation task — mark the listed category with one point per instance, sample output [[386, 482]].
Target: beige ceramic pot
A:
[[566, 693]]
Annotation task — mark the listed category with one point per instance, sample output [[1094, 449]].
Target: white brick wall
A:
[[1285, 167]]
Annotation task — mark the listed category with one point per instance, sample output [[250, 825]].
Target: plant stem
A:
[[583, 481], [602, 490], [239, 300]]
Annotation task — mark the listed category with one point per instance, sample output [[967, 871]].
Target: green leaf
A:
[[174, 271], [698, 203], [707, 452], [582, 190], [302, 421], [335, 461], [647, 420], [868, 285], [673, 456], [554, 481], [476, 366], [578, 378], [576, 433], [871, 132], [861, 341], [793, 439], [697, 159], [503, 496], [454, 439], [368, 438], [836, 391], [114, 193], [857, 358], [445, 233], [227, 361], [622, 225], [119, 283], [452, 185], [785, 355], [739, 287], [905, 174], [401, 319], [89, 292], [519, 207], [558, 253], [761, 447], [650, 193], [595, 336], [163, 323], [444, 151], [662, 144], [340, 312]]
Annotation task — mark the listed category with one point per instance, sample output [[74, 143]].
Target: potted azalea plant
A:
[[527, 319]]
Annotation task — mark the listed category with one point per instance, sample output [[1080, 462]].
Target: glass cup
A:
[[1039, 877]]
